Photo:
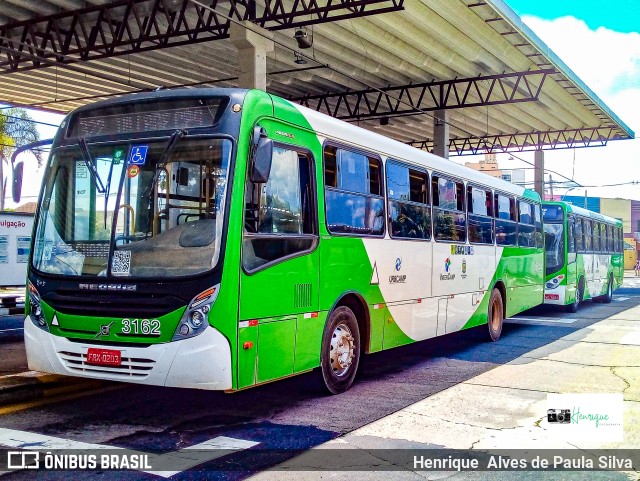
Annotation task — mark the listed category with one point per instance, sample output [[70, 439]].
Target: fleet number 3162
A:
[[146, 327]]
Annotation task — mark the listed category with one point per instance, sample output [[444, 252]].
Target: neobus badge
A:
[[108, 287]]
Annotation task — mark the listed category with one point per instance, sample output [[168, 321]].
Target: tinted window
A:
[[526, 230], [409, 212], [588, 235], [449, 221], [506, 225], [280, 214], [578, 235], [353, 200], [538, 225], [480, 216]]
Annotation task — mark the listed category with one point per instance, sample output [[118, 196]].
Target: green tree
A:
[[16, 129]]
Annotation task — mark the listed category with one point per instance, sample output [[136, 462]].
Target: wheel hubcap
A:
[[496, 315], [342, 348]]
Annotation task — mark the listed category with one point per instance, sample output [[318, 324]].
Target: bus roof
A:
[[571, 208]]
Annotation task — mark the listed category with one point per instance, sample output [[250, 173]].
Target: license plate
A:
[[552, 297], [104, 357]]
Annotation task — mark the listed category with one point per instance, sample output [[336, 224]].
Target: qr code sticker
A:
[[121, 264]]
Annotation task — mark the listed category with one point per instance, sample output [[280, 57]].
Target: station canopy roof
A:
[[387, 65]]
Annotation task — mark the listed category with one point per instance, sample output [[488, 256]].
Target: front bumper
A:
[[556, 296], [201, 362]]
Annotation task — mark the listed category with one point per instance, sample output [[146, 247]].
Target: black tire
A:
[[609, 295], [495, 315], [575, 305], [339, 363]]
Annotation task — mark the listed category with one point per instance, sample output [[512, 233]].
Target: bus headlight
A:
[[555, 282], [194, 319], [35, 309]]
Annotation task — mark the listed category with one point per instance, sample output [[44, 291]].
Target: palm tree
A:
[[16, 129]]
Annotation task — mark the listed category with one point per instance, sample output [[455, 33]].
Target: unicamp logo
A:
[[448, 276], [398, 264]]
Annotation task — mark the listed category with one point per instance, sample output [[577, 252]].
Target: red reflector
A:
[[314, 315], [253, 322], [552, 297], [247, 345], [419, 301], [104, 357]]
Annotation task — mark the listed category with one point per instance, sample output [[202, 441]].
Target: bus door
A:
[[454, 273], [279, 331], [574, 235], [588, 258]]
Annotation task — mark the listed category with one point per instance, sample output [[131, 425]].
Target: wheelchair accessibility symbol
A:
[[138, 155]]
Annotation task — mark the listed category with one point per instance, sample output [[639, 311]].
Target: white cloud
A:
[[608, 63]]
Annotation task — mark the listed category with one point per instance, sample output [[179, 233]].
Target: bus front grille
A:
[[130, 367], [109, 304]]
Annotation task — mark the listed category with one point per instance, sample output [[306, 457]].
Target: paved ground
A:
[[451, 392]]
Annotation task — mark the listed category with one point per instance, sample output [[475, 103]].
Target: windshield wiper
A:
[[86, 156], [171, 144]]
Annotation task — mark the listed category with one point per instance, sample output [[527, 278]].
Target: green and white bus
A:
[[583, 255], [224, 238]]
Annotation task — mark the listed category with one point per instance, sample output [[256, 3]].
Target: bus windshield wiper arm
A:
[[86, 155], [171, 144]]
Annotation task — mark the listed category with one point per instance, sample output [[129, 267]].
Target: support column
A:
[[253, 44], [538, 176], [441, 133]]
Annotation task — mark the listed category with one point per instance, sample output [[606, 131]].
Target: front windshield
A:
[[554, 247], [127, 210]]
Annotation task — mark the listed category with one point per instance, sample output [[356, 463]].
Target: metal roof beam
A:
[[528, 141], [414, 99], [131, 26]]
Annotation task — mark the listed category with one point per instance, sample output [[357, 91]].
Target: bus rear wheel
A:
[[609, 295], [495, 315], [340, 354]]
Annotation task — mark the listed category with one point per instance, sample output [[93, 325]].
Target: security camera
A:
[[303, 38]]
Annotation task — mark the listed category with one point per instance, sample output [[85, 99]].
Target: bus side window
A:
[[620, 240], [409, 212], [280, 216], [538, 225], [525, 227], [449, 223], [353, 192], [588, 236], [571, 244], [480, 215], [596, 237], [610, 246], [506, 226], [578, 235]]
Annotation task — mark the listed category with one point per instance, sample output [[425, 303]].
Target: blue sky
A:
[[619, 15]]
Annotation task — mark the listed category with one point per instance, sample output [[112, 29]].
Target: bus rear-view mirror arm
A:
[[18, 167], [261, 155]]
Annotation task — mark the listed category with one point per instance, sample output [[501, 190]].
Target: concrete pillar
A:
[[538, 173], [441, 133], [253, 44]]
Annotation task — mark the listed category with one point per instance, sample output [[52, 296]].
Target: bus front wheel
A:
[[340, 354], [573, 307], [495, 315]]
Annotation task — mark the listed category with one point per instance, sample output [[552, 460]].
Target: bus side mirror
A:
[[262, 154], [16, 188]]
